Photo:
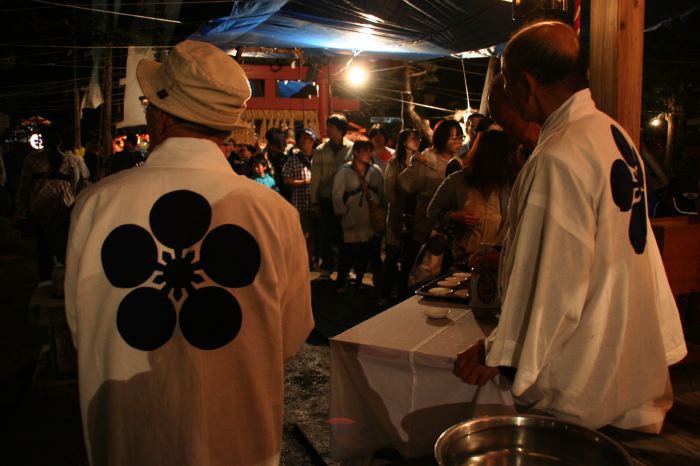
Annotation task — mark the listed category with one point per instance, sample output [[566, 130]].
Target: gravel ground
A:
[[307, 387]]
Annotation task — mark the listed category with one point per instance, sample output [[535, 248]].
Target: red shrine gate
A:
[[269, 110]]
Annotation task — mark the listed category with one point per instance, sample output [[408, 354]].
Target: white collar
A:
[[188, 153], [577, 106]]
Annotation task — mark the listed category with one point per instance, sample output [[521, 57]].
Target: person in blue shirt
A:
[[258, 166]]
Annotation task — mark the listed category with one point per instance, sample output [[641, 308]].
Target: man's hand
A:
[[471, 367]]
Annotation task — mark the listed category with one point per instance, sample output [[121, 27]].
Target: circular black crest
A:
[[230, 256], [129, 256], [180, 218], [210, 318], [146, 319]]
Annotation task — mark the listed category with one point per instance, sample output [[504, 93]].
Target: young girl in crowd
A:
[[258, 167]]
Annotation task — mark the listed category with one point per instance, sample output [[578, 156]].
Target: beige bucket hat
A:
[[197, 82]]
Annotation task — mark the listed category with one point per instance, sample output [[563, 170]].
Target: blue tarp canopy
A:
[[405, 29], [409, 29]]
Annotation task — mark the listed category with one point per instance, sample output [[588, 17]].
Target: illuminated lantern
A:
[[36, 142]]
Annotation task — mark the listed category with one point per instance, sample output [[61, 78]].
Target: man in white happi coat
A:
[[187, 285], [588, 320]]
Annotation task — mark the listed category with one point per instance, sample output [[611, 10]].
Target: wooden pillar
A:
[[106, 122], [270, 88], [491, 73], [77, 114], [616, 55], [324, 98]]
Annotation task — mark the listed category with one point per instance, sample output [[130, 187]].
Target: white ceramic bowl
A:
[[436, 312]]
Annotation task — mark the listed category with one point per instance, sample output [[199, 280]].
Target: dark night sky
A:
[[45, 48]]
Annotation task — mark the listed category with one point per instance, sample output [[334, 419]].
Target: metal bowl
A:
[[525, 440]]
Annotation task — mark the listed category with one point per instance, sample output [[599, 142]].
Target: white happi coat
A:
[[588, 317], [187, 287]]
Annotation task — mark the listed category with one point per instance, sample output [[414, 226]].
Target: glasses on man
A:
[[144, 103]]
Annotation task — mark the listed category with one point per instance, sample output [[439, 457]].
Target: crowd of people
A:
[[533, 180]]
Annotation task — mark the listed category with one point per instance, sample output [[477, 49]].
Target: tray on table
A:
[[459, 293]]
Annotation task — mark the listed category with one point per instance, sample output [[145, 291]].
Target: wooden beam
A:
[[106, 115], [325, 99], [616, 55], [491, 73]]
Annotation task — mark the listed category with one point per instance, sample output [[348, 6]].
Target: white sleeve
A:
[[547, 270], [297, 318], [76, 240]]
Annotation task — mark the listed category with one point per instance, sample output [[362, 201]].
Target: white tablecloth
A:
[[392, 382]]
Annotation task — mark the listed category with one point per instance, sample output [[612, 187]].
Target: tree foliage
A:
[[672, 67]]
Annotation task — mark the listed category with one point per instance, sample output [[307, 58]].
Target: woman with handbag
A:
[[358, 199], [424, 174], [471, 202]]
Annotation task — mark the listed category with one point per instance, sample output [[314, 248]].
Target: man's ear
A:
[[529, 83]]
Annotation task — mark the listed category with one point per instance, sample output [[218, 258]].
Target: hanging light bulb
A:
[[357, 75]]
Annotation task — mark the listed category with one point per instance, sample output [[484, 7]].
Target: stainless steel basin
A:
[[525, 440]]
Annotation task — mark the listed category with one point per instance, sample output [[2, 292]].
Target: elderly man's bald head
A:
[[551, 52]]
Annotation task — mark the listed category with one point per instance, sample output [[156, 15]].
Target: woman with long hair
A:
[[471, 202], [400, 209], [424, 174]]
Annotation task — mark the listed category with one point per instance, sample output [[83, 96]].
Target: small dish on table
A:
[[436, 312]]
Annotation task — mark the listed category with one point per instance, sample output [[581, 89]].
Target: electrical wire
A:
[[116, 13], [466, 87], [381, 97], [85, 47]]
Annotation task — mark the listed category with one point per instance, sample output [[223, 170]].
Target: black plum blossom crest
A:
[[210, 316], [627, 183]]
